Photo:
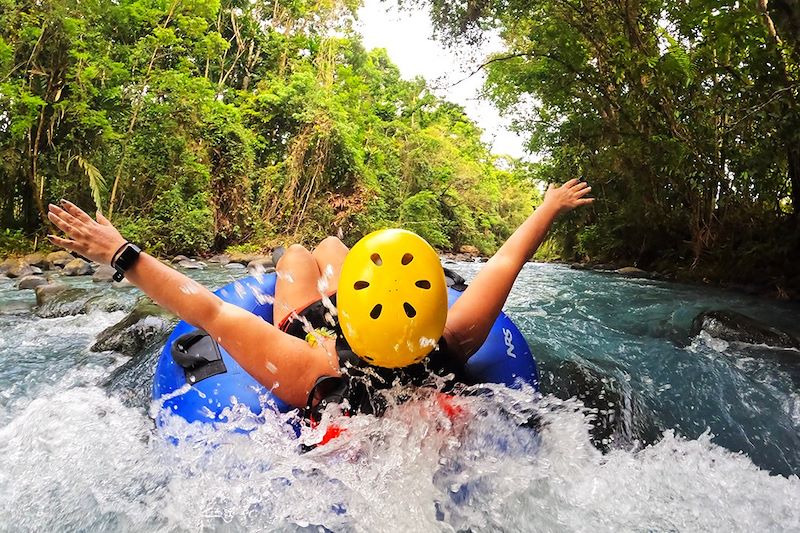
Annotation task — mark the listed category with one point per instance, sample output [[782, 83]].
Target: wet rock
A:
[[60, 258], [132, 382], [735, 327], [221, 259], [77, 267], [242, 259], [235, 266], [633, 272], [179, 258], [604, 266], [16, 308], [104, 274], [191, 264], [20, 269], [261, 265], [45, 293], [7, 264], [37, 260], [58, 299], [468, 249], [277, 253], [579, 266], [31, 282], [618, 417], [145, 322]]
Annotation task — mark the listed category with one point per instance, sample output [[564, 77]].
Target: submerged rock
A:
[[104, 274], [145, 322], [191, 264], [59, 299], [31, 282], [16, 308], [735, 327], [617, 414], [132, 382], [235, 266], [77, 267]]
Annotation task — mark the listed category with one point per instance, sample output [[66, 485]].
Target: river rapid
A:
[[641, 428]]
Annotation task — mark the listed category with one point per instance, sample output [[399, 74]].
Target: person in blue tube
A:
[[380, 306]]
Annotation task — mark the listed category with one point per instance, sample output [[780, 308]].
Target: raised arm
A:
[[471, 317], [285, 364]]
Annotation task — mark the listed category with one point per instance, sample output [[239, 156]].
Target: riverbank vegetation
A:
[[684, 116], [199, 126]]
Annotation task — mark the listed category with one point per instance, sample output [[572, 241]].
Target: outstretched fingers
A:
[[76, 212], [101, 219], [64, 221], [64, 243]]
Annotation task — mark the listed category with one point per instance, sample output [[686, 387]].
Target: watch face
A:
[[127, 257]]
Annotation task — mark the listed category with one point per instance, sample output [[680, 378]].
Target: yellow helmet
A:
[[392, 298]]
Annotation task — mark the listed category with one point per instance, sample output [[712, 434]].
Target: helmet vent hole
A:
[[407, 258], [359, 285], [376, 258], [376, 311], [370, 359], [423, 284], [410, 311]]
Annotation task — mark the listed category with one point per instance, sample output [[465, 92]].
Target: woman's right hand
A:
[[95, 240]]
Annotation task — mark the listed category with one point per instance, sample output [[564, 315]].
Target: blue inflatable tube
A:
[[504, 358]]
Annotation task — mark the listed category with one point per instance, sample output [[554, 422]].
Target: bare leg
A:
[[296, 286], [329, 255]]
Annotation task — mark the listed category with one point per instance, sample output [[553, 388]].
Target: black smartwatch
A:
[[124, 259]]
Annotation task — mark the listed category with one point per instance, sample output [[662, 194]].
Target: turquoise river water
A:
[[641, 428]]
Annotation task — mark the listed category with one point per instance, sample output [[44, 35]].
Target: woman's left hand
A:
[[95, 240], [569, 196]]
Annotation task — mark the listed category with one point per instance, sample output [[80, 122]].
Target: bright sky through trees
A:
[[407, 37]]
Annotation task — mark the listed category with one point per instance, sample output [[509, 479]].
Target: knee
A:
[[296, 253], [329, 245]]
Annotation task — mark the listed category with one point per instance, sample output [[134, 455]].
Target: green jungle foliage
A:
[[683, 116], [202, 125]]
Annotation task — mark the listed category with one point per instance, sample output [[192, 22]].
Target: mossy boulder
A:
[[59, 258], [37, 260], [19, 269], [146, 322], [242, 259], [77, 267]]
